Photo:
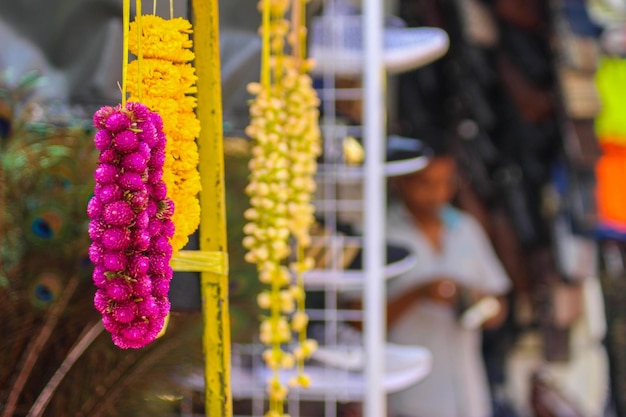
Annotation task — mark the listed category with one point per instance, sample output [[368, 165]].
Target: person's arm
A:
[[441, 290], [495, 281]]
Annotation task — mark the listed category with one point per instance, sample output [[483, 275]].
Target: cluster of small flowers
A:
[[130, 224], [167, 80], [286, 144], [267, 232], [304, 139]]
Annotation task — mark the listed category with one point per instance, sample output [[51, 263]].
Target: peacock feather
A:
[[55, 359]]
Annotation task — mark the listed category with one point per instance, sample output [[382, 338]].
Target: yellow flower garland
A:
[[167, 79], [284, 126], [167, 40]]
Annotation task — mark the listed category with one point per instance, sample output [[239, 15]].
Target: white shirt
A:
[[457, 385]]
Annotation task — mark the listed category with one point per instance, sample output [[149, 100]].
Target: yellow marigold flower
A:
[[187, 126], [162, 39], [161, 78], [167, 79], [191, 187], [188, 77]]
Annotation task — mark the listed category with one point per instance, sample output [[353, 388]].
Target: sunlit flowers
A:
[[130, 224], [303, 136], [166, 82], [284, 127]]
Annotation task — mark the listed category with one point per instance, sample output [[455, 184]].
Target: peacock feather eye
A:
[[46, 225], [45, 289]]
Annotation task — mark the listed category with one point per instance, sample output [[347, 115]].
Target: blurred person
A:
[[457, 268]]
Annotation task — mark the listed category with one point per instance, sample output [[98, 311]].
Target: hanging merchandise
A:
[[611, 79], [284, 126], [610, 171], [611, 131], [164, 80], [130, 225], [130, 216]]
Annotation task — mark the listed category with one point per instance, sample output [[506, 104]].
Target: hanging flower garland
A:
[[131, 217], [304, 139], [130, 225], [286, 143], [166, 82]]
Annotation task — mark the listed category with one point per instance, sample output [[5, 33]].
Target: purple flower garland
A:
[[131, 225]]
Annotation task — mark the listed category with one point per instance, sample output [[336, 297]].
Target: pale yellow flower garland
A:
[[284, 126], [304, 139], [167, 82]]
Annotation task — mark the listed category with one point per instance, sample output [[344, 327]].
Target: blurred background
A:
[[530, 93]]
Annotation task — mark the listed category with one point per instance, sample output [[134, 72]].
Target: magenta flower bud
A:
[[105, 173], [100, 301], [167, 227], [95, 253], [121, 342], [109, 156], [124, 312], [162, 140], [109, 323], [160, 287], [147, 307], [157, 158], [135, 332], [139, 111], [152, 208], [125, 141], [96, 229], [139, 200], [161, 246], [102, 139], [114, 261], [156, 119], [168, 272], [138, 265], [158, 264], [154, 228], [164, 305], [99, 277], [118, 289], [100, 116], [143, 219], [141, 240], [144, 150], [148, 134], [116, 239], [94, 208], [166, 209], [107, 193], [156, 325], [118, 213], [159, 191], [117, 122], [135, 162], [155, 175], [131, 181], [142, 287]]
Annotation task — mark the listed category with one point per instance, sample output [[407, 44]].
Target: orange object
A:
[[611, 182]]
